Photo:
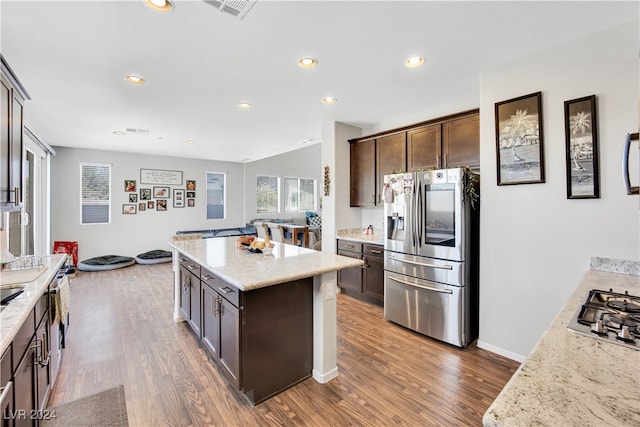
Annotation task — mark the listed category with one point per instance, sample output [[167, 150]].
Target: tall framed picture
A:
[[581, 140], [178, 198], [519, 140]]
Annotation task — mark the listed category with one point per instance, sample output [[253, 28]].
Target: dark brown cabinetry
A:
[[6, 387], [424, 148], [366, 282], [363, 185], [12, 97], [221, 323], [446, 142], [391, 157], [261, 340], [461, 142], [190, 293]]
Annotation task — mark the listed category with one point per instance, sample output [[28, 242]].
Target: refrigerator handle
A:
[[420, 214], [625, 164], [414, 226]]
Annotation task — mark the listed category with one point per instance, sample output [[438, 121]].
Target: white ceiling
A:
[[199, 63]]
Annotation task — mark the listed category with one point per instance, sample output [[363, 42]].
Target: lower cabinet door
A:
[[373, 279], [185, 293], [230, 339], [210, 320], [25, 398], [42, 364], [195, 320], [350, 279]]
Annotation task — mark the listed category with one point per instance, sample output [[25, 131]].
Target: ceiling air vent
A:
[[237, 8], [137, 131]]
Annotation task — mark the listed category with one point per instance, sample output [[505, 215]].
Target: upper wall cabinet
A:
[[362, 158], [424, 147], [12, 97], [391, 157], [447, 142], [461, 142]]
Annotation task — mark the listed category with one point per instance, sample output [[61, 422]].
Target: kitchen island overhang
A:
[[248, 272]]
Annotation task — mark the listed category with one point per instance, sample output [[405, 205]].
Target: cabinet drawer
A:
[[229, 292], [41, 308], [373, 250], [344, 245], [190, 265]]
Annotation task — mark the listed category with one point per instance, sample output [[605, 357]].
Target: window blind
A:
[[95, 194]]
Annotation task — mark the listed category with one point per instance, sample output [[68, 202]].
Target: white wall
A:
[[335, 154], [130, 235], [302, 163], [535, 243]]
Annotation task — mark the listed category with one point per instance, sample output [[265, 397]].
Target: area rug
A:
[[106, 408]]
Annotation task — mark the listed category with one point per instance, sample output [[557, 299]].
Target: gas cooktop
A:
[[609, 316]]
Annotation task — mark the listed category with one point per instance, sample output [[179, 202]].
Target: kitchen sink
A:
[[26, 275]]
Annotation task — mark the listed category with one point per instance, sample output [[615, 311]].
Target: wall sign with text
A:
[[157, 176]]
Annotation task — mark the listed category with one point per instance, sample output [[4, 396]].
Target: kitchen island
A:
[[571, 379], [277, 293]]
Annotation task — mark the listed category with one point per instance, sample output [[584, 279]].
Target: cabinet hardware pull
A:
[[218, 306], [423, 264], [207, 277], [6, 393], [213, 306], [191, 267], [16, 196], [375, 251], [44, 349], [226, 289]]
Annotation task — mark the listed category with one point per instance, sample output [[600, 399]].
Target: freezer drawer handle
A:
[[423, 264], [428, 288]]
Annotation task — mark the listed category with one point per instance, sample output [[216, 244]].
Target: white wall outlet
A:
[[329, 292]]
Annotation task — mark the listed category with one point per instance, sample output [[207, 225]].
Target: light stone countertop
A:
[[247, 270], [355, 235], [14, 315], [570, 379]]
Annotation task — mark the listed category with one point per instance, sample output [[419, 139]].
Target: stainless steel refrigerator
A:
[[431, 253]]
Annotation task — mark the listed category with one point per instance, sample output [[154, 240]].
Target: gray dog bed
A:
[[156, 256], [106, 262]]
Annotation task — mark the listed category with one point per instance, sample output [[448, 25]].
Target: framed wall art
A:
[[519, 140], [128, 209], [581, 140], [178, 198], [191, 194], [191, 185], [161, 192], [151, 204], [191, 202], [142, 206], [133, 198], [129, 186], [145, 194], [161, 205]]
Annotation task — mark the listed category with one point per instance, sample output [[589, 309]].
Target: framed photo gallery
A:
[[155, 189]]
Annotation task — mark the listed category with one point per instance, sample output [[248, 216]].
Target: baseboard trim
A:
[[502, 352], [326, 377]]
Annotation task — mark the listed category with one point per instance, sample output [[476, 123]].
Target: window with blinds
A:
[[95, 194]]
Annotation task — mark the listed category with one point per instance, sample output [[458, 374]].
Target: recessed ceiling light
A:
[[188, 141], [307, 62], [414, 61], [244, 105], [136, 80], [329, 100], [118, 132], [160, 5], [306, 141]]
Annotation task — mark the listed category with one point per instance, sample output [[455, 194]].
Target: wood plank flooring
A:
[[122, 332]]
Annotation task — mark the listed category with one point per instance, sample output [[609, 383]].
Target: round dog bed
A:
[[106, 262], [156, 256]]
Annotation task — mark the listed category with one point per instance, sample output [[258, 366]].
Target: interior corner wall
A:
[[535, 243], [130, 235], [302, 163]]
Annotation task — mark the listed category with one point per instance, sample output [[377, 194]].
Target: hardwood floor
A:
[[122, 332]]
